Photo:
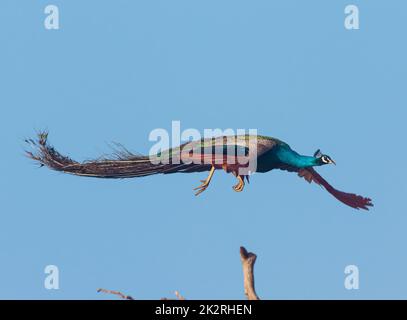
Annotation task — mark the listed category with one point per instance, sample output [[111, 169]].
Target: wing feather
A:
[[350, 199]]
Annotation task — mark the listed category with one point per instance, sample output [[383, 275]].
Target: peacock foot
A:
[[240, 184], [205, 183], [201, 188]]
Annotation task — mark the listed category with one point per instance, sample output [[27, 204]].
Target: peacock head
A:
[[323, 159]]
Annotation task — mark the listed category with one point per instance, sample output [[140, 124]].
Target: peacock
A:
[[240, 155]]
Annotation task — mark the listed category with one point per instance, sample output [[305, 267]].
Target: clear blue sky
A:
[[118, 69]]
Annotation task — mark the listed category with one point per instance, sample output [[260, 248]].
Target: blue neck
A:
[[290, 157]]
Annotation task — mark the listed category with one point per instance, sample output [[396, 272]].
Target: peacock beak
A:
[[333, 162]]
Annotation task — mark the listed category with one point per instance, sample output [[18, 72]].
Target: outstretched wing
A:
[[350, 199]]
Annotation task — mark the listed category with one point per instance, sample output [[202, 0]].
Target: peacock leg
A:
[[240, 184], [205, 183]]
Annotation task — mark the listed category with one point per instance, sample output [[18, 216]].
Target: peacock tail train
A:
[[123, 164]]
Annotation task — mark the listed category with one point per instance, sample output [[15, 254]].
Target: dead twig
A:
[[117, 293], [177, 294], [248, 260]]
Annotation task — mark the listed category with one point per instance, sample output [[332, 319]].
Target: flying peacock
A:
[[233, 154]]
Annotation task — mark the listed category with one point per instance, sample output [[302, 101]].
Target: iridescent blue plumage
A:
[[283, 155]]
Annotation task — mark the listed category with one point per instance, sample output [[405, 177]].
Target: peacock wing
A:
[[350, 199], [230, 150]]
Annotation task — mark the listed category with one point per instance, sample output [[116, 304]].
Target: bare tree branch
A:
[[248, 260], [126, 297], [117, 293], [177, 294]]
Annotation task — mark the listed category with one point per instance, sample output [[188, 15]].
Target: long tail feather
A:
[[125, 165], [350, 199]]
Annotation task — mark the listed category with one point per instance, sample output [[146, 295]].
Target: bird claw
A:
[[201, 189], [205, 183], [240, 185]]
